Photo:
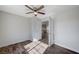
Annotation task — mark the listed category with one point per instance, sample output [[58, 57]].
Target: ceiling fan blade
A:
[[29, 7], [41, 13], [35, 8], [29, 12], [40, 8]]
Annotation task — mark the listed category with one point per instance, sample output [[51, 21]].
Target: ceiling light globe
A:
[[35, 13]]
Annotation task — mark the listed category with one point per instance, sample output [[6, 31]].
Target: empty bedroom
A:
[[39, 29]]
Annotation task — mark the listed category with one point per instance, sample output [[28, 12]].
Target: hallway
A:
[[45, 34]]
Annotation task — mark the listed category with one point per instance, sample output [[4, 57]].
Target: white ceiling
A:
[[49, 9]]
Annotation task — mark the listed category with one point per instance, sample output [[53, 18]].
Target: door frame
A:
[[50, 19], [51, 34]]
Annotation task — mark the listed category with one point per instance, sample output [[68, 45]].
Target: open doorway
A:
[[44, 38]]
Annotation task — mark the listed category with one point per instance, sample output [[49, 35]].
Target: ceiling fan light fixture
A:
[[35, 13], [35, 10]]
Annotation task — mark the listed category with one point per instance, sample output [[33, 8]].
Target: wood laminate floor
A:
[[18, 48], [36, 47], [55, 49]]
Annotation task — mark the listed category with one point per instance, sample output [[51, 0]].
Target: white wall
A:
[[67, 29], [51, 30], [36, 28], [14, 29]]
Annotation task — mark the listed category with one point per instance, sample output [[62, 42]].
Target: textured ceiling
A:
[[49, 9]]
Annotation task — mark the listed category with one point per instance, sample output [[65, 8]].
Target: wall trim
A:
[[67, 48]]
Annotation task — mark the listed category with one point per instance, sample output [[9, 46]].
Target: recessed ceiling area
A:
[[48, 9]]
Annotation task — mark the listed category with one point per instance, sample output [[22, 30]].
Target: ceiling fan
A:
[[35, 10]]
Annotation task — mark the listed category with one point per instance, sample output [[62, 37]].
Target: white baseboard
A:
[[66, 47]]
